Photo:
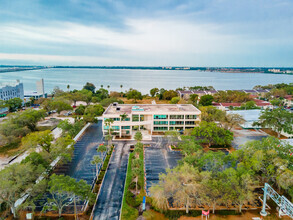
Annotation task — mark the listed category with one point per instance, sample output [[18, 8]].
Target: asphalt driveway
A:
[[111, 192]]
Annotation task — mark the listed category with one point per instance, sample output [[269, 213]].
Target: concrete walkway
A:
[[111, 193]]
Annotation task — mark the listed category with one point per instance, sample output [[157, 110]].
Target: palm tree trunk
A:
[[187, 205], [75, 217], [136, 185]]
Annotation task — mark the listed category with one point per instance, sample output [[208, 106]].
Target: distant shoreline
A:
[[268, 70]]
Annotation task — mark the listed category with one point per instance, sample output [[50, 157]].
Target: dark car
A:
[[132, 148]]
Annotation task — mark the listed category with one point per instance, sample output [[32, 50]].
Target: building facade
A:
[[11, 90], [40, 93], [150, 118]]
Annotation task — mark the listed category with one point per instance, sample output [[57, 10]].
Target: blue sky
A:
[[147, 33]]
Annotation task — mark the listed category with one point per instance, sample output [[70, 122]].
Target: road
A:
[[111, 193]]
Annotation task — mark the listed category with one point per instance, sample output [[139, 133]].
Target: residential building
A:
[[150, 118], [11, 90], [288, 101]]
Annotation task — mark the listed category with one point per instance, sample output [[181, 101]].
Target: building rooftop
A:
[[9, 84], [150, 108]]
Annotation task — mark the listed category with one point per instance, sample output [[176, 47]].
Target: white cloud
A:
[[55, 59], [141, 36]]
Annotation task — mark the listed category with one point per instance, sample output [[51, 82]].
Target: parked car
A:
[[132, 148]]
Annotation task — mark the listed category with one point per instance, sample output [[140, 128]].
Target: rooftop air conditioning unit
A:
[[115, 103], [117, 109]]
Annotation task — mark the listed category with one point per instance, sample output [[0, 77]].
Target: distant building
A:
[[11, 90], [40, 93], [185, 94], [250, 116], [150, 118]]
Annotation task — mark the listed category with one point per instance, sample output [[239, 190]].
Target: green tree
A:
[[193, 98], [231, 120], [28, 118], [60, 105], [206, 100], [211, 114], [175, 100], [36, 159], [243, 186], [102, 93], [87, 96], [36, 139], [154, 92], [169, 94], [14, 181], [138, 136], [97, 160], [172, 136], [69, 128], [14, 104], [249, 105], [277, 119], [102, 148], [276, 102], [80, 110], [123, 116], [96, 110], [134, 94], [108, 122], [65, 191], [136, 172], [189, 147], [209, 133], [90, 87], [63, 148]]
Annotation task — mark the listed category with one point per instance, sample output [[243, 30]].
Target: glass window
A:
[[176, 122], [116, 127], [176, 116], [190, 116], [160, 116], [125, 127], [135, 117], [189, 122], [160, 122], [141, 117], [160, 128]]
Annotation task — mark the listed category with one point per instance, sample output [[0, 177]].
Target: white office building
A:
[[11, 90], [40, 93], [150, 118]]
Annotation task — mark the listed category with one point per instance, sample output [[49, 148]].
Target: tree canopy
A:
[[278, 119], [209, 133], [206, 100]]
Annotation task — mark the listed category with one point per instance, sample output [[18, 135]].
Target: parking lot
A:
[[244, 135], [80, 167], [158, 158]]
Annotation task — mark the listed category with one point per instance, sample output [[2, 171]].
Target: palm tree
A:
[[96, 161], [123, 116], [108, 86], [102, 86], [135, 173], [138, 136], [108, 123], [102, 148], [68, 87], [121, 86]]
